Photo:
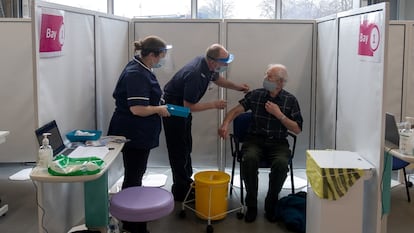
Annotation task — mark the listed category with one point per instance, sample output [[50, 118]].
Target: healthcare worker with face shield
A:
[[186, 88], [274, 112], [138, 112]]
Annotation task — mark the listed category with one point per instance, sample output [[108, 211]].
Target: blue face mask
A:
[[160, 63], [270, 86], [221, 69]]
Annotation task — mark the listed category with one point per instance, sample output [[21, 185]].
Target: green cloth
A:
[[386, 184]]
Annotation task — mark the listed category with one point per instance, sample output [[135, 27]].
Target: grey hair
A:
[[213, 51], [281, 72]]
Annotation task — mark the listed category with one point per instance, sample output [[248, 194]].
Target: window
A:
[[230, 9], [266, 9], [312, 9], [217, 9], [153, 8], [96, 5]]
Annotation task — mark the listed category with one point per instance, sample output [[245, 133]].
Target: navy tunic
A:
[[137, 85], [190, 83]]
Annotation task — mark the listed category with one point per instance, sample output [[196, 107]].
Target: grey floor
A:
[[22, 215]]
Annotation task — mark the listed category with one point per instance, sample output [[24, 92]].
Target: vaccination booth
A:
[[343, 90]]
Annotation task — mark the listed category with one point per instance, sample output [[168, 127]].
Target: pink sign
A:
[[369, 37], [51, 34]]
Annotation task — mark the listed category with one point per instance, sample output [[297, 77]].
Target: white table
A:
[[4, 208], [394, 150], [95, 189]]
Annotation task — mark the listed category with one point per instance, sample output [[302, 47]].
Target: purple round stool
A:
[[141, 205]]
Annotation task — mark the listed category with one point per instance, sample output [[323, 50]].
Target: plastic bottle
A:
[[407, 139], [45, 152]]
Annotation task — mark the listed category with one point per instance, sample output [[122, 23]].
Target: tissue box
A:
[[176, 110], [91, 135]]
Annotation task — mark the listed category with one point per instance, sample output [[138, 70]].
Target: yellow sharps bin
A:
[[211, 189]]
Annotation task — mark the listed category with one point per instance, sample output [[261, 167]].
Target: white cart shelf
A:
[[3, 208]]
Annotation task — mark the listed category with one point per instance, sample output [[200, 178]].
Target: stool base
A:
[[135, 227]]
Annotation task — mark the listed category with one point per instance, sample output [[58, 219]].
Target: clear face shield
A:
[[167, 62], [167, 69]]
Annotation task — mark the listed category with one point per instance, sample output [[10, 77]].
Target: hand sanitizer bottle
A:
[[406, 139], [113, 226], [45, 152]]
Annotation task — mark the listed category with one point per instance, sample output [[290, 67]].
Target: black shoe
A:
[[270, 216], [181, 196], [270, 209], [134, 227], [251, 214]]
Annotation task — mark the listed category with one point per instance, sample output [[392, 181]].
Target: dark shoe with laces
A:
[[251, 214], [270, 216]]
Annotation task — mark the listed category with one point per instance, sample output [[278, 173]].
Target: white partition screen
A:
[[360, 114], [66, 93], [395, 75], [17, 91], [112, 56], [185, 47], [326, 81], [408, 107], [256, 44], [66, 83]]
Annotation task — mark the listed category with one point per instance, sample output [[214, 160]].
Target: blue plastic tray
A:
[[176, 110], [79, 138]]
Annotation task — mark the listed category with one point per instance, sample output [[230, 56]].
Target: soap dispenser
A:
[[45, 152]]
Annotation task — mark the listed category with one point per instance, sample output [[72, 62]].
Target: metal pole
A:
[[1, 9]]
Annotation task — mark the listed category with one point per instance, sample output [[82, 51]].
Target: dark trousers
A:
[[277, 153], [135, 165], [179, 144]]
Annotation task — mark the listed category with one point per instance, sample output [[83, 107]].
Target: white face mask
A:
[[160, 63], [270, 86]]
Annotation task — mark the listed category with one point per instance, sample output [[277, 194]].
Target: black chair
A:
[[398, 164], [240, 125]]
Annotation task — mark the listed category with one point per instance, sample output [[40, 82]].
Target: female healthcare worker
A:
[[138, 112]]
